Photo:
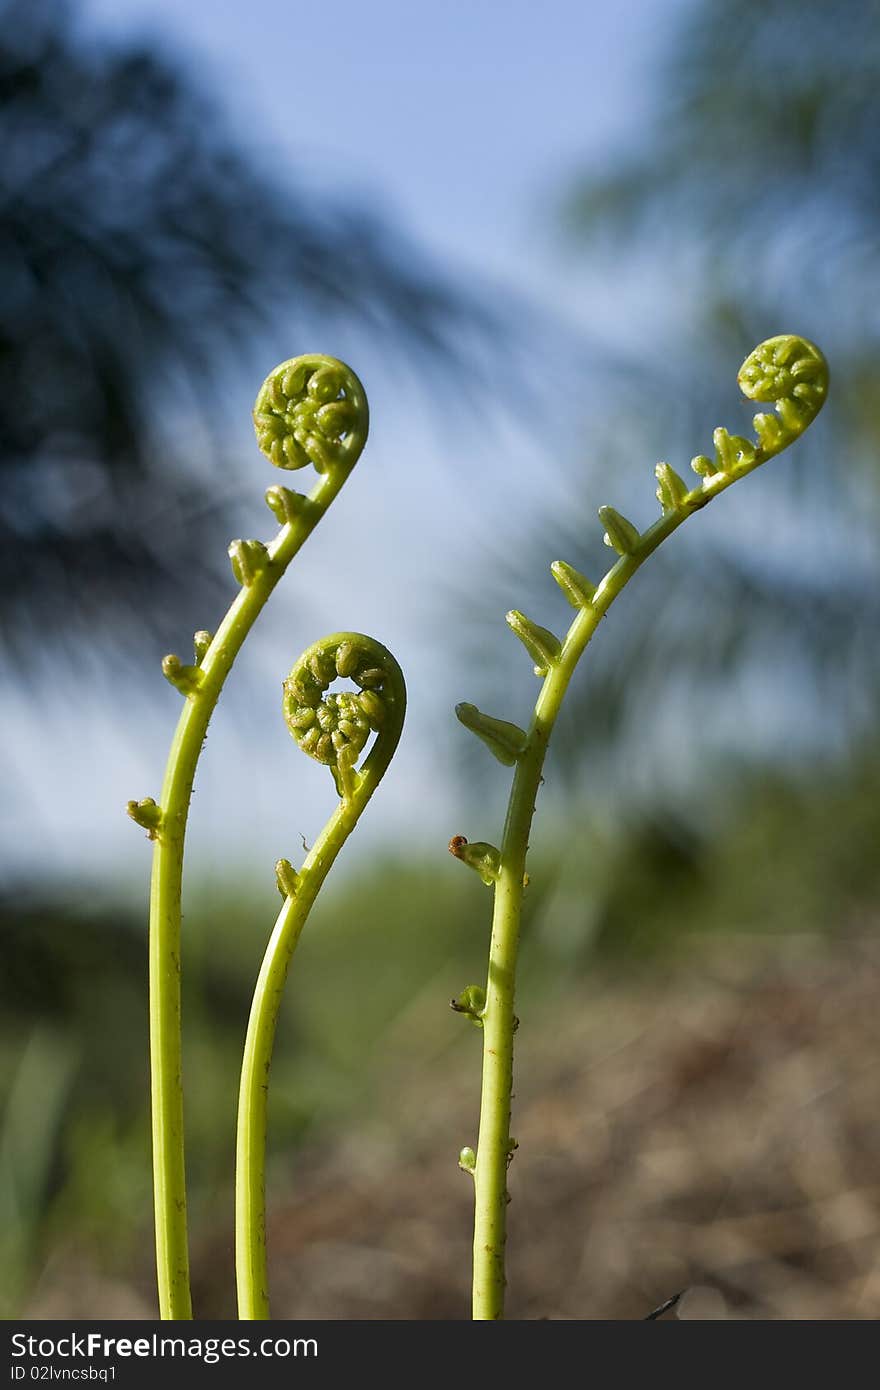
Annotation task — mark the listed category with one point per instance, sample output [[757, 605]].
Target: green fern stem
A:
[[311, 409], [792, 374], [334, 730]]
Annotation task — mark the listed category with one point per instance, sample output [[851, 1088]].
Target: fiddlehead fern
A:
[[788, 372], [310, 410], [793, 375], [334, 729]]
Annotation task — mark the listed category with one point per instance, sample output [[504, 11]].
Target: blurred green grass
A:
[[367, 1003]]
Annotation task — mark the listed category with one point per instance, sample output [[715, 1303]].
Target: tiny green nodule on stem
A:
[[467, 1160], [286, 878], [507, 741], [576, 587], [703, 466], [620, 534], [201, 642], [248, 558], [186, 679], [147, 814], [471, 1002], [541, 644], [286, 505], [771, 435], [483, 858], [732, 451]]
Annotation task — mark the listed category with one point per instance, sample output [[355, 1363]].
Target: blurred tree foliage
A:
[[750, 207], [142, 249]]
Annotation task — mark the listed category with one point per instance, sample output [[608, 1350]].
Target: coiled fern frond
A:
[[310, 410], [334, 729], [788, 372]]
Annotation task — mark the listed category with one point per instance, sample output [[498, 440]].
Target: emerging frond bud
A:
[[731, 450], [671, 490], [542, 646], [472, 1002], [286, 878], [771, 435], [576, 587], [620, 534], [147, 814], [186, 679], [344, 771], [483, 858], [703, 466], [467, 1160], [285, 505], [507, 741], [249, 558]]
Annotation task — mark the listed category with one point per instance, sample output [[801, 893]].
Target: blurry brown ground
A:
[[711, 1126]]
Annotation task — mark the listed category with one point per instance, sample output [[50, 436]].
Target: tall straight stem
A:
[[494, 1145], [166, 1065], [251, 1270], [791, 373]]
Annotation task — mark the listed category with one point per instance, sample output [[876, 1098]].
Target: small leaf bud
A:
[[147, 814], [672, 489], [286, 878], [483, 858], [507, 741], [620, 534], [576, 587], [467, 1160], [285, 504], [471, 1001], [703, 466], [248, 559], [542, 646], [186, 679]]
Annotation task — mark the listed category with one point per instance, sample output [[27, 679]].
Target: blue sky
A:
[[464, 118], [461, 121]]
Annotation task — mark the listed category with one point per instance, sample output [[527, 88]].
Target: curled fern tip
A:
[[792, 374], [311, 409], [334, 728]]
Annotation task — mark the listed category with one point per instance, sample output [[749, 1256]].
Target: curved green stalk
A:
[[334, 729], [791, 373], [311, 409]]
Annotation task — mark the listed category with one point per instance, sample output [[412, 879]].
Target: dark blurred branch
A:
[[140, 249], [665, 1307]]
